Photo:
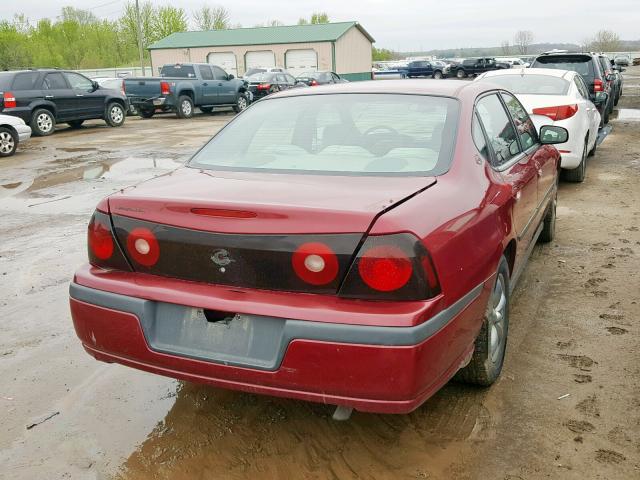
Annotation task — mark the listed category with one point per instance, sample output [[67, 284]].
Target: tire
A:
[[241, 103], [42, 122], [437, 75], [146, 112], [577, 174], [8, 142], [490, 345], [185, 107], [549, 222], [606, 115], [115, 115], [461, 73], [75, 123], [206, 109], [592, 152]]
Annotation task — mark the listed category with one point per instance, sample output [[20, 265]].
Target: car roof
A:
[[442, 88], [549, 72]]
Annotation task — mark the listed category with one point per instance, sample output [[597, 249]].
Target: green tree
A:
[[382, 54], [168, 20], [129, 24], [316, 18], [216, 18]]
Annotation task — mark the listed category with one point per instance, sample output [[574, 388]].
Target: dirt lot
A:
[[567, 405]]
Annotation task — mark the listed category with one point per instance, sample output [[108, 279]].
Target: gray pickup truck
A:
[[181, 87]]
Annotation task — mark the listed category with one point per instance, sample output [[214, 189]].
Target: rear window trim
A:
[[331, 173]]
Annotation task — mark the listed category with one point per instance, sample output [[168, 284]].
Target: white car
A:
[[563, 97], [13, 130]]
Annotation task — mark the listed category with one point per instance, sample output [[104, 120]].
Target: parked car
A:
[[613, 78], [253, 71], [623, 60], [13, 131], [262, 84], [617, 72], [320, 78], [298, 253], [183, 86], [115, 83], [423, 68], [45, 97], [476, 66], [513, 61], [588, 66], [563, 99]]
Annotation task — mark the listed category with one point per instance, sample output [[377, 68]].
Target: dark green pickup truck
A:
[[181, 87]]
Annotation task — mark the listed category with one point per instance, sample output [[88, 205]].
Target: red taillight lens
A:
[[313, 83], [165, 88], [9, 100], [598, 86], [264, 86], [561, 112], [143, 247], [123, 89], [385, 268], [315, 263], [100, 240]]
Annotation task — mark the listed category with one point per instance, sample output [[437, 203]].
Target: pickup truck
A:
[[181, 87], [476, 66], [423, 68]]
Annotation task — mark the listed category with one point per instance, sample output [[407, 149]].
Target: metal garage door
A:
[[298, 61], [225, 60], [260, 59]]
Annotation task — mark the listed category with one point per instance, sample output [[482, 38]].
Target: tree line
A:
[[78, 39]]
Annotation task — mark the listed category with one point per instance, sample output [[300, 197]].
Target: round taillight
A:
[[315, 263], [385, 268], [100, 241], [143, 247]]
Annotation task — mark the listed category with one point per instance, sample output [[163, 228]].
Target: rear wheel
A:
[[241, 103], [75, 123], [437, 74], [146, 112], [461, 73], [8, 142], [185, 107], [577, 174], [605, 118], [115, 115], [549, 223], [490, 345], [42, 123], [592, 152]]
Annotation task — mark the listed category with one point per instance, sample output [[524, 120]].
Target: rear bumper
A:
[[371, 368], [21, 112]]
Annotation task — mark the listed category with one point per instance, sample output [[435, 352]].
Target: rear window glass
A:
[[309, 75], [531, 84], [25, 81], [179, 71], [357, 134], [5, 80], [581, 65], [261, 77]]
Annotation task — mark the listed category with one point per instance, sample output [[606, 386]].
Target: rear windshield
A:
[[5, 80], [531, 84], [180, 71], [261, 77], [581, 64], [253, 71], [348, 134], [310, 75]]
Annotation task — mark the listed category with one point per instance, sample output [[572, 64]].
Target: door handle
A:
[[79, 95], [205, 84], [48, 96], [220, 84]]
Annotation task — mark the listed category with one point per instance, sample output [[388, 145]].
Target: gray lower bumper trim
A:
[[287, 329]]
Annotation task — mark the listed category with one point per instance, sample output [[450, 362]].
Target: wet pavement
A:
[[574, 331]]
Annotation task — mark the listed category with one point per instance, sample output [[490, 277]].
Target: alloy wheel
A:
[[497, 319], [116, 114], [242, 103], [7, 143], [44, 122], [186, 108]]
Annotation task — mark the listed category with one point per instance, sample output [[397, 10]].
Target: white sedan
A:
[[13, 130], [563, 97]]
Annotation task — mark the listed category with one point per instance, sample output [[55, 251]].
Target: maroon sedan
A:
[[352, 245]]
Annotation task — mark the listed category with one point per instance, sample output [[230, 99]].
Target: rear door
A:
[[585, 103], [210, 87], [25, 88], [518, 169], [88, 103], [56, 89]]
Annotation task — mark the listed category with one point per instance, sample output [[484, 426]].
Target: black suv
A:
[[43, 98], [588, 65], [476, 66]]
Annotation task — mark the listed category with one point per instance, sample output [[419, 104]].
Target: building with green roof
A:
[[343, 47]]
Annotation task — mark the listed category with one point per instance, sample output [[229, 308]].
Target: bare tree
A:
[[606, 41], [522, 40], [270, 23], [506, 48], [316, 18], [212, 18]]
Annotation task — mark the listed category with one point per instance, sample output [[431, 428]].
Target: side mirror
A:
[[608, 77], [552, 135], [95, 85], [230, 77]]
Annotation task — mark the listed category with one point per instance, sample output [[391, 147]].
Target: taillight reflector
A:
[[598, 86], [100, 240], [561, 112], [9, 100], [143, 247], [313, 83], [385, 268], [315, 263], [123, 89], [165, 88], [264, 86]]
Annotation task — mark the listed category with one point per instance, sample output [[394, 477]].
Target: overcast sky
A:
[[407, 24]]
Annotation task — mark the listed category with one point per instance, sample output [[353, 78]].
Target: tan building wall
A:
[[353, 53], [199, 55]]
